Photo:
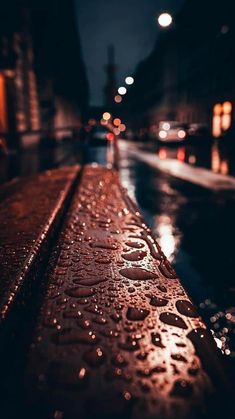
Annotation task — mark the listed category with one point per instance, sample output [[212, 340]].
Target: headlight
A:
[[181, 134], [162, 134]]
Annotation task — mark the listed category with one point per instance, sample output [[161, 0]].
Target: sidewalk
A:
[[199, 176]]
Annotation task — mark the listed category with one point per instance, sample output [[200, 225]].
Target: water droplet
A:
[[186, 308], [134, 256], [103, 260], [84, 324], [167, 270], [178, 357], [95, 357], [130, 345], [157, 340], [100, 320], [162, 288], [119, 360], [142, 355], [135, 245], [137, 274], [158, 369], [78, 292], [92, 281], [158, 302], [181, 388], [104, 245], [136, 314], [70, 336], [116, 317], [173, 320]]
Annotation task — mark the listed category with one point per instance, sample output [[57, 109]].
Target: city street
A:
[[189, 209], [117, 203], [195, 227]]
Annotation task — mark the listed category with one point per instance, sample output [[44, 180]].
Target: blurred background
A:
[[146, 87]]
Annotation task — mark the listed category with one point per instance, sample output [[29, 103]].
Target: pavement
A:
[[184, 171]]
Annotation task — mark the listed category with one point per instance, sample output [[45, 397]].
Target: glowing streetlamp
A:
[[165, 20], [106, 116], [122, 90], [118, 99], [129, 80]]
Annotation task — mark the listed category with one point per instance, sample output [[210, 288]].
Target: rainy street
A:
[[193, 222], [117, 203]]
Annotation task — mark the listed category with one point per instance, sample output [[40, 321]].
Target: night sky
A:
[[128, 24]]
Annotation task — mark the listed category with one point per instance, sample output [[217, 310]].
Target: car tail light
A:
[[110, 136]]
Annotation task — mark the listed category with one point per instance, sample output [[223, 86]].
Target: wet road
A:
[[194, 225]]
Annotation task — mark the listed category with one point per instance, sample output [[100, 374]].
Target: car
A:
[[172, 132], [100, 135]]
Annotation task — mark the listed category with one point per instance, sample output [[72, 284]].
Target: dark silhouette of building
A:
[[111, 84], [190, 70], [43, 81]]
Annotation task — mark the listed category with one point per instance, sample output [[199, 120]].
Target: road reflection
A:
[[195, 228], [213, 156], [167, 234]]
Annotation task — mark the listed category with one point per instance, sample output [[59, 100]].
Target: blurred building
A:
[[189, 76], [43, 82]]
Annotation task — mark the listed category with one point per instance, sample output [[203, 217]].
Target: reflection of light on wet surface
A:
[[215, 159], [126, 174], [224, 169], [218, 164], [181, 154], [192, 159], [162, 153], [166, 236]]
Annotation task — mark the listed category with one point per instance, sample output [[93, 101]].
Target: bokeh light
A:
[[106, 116], [118, 99], [122, 90], [117, 122], [116, 131], [129, 80], [122, 127], [165, 20]]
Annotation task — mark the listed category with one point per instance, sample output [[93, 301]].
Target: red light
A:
[[181, 154], [110, 136], [162, 154]]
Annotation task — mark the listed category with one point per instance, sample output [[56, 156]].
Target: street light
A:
[[118, 99], [129, 80], [106, 116], [122, 90], [165, 20]]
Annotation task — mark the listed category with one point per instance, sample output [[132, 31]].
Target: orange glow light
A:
[[122, 127], [217, 109], [227, 107], [162, 153], [117, 122], [118, 99], [106, 116], [181, 154]]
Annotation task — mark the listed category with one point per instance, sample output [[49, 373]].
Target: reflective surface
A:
[[195, 226]]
